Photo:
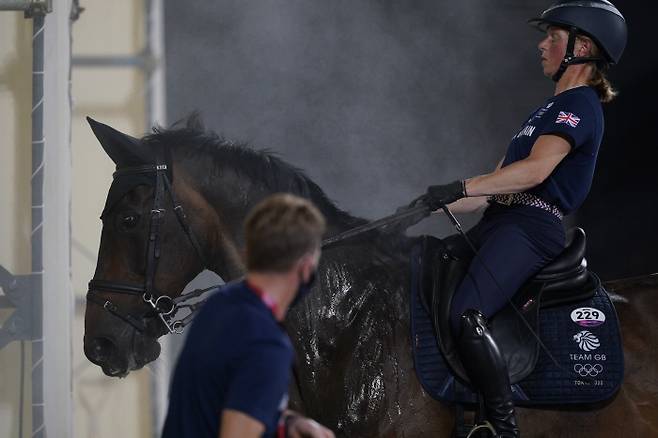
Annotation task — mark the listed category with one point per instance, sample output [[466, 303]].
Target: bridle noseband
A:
[[163, 305]]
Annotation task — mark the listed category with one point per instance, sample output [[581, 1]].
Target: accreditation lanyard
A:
[[264, 297]]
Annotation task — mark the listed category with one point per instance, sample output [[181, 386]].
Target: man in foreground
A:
[[232, 377]]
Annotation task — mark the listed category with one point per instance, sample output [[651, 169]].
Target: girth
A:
[[445, 263]]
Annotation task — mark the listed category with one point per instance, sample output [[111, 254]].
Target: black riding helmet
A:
[[599, 20]]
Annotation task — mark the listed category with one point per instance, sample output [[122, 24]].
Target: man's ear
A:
[[304, 265], [313, 261]]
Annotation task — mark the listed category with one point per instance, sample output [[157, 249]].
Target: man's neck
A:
[[279, 288]]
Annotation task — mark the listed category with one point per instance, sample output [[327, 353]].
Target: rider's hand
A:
[[438, 196], [302, 427]]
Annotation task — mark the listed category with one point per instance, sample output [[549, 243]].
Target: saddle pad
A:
[[582, 336]]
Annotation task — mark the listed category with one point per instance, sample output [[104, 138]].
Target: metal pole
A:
[[38, 146], [15, 5], [139, 61], [56, 296], [31, 7], [155, 66], [155, 114]]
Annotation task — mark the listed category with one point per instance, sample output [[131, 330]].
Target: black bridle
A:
[[164, 306]]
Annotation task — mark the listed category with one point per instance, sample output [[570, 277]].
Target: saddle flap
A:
[[442, 271], [444, 265], [515, 329]]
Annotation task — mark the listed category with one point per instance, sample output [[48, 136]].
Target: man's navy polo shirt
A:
[[237, 357], [575, 115]]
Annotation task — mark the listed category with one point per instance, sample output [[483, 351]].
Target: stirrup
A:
[[485, 425]]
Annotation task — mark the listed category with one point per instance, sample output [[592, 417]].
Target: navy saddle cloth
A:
[[581, 334]]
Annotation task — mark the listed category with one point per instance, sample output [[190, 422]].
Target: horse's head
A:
[[149, 250]]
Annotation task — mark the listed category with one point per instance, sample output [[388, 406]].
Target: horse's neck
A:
[[232, 198], [231, 193], [336, 227], [234, 195]]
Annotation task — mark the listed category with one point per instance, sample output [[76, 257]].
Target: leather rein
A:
[[164, 306]]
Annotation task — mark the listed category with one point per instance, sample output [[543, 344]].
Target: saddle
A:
[[566, 279]]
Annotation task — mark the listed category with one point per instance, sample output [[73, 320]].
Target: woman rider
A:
[[546, 173]]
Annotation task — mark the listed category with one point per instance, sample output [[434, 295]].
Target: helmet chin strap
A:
[[570, 58]]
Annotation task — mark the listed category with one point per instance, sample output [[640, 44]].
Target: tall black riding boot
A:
[[487, 370]]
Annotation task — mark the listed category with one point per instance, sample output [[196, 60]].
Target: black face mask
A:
[[304, 289]]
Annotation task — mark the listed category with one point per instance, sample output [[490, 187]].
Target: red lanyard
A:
[[265, 298]]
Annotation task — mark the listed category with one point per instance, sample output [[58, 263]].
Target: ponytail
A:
[[598, 81], [602, 85]]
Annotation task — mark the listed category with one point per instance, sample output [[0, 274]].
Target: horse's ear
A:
[[123, 149]]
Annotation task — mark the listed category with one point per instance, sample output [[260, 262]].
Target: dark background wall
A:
[[621, 213], [376, 99]]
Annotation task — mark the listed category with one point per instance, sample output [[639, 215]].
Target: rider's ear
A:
[[123, 149]]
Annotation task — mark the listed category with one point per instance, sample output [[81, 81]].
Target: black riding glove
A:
[[438, 196]]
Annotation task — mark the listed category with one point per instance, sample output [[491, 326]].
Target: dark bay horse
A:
[[352, 335]]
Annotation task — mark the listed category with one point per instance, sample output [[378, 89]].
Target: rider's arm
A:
[[474, 203], [546, 154]]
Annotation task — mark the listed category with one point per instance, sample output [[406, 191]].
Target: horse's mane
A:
[[189, 137]]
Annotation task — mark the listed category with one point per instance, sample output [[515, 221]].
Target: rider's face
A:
[[553, 48]]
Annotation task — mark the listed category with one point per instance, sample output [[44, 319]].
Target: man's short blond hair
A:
[[280, 230]]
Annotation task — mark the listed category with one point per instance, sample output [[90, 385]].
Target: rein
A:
[[417, 210], [162, 305]]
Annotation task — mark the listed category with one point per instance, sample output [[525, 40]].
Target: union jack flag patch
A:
[[568, 118]]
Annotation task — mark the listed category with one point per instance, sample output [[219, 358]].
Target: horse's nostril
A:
[[99, 350]]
